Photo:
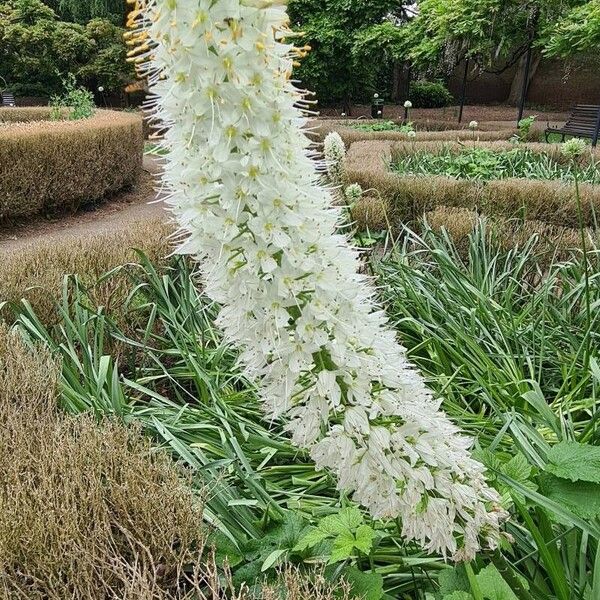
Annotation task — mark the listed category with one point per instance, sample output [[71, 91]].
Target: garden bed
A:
[[54, 166], [405, 198], [426, 130]]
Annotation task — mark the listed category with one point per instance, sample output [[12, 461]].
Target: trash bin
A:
[[377, 107]]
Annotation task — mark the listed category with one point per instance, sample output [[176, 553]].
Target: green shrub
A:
[[428, 94], [49, 167]]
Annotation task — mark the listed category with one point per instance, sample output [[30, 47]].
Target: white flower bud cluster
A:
[[353, 193], [334, 151], [253, 211]]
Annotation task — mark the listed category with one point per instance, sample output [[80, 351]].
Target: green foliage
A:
[[380, 125], [487, 31], [350, 535], [482, 164], [78, 100], [578, 31], [574, 461], [498, 337], [428, 94], [82, 11], [37, 50], [339, 67], [525, 126]]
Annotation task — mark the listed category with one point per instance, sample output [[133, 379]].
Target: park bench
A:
[[583, 122], [8, 99]]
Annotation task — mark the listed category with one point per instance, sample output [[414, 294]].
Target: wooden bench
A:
[[583, 122], [8, 99]]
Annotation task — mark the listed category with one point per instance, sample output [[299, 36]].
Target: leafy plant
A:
[[430, 94], [384, 126], [483, 164], [78, 100]]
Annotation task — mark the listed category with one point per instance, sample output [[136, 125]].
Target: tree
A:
[[37, 50], [337, 30], [82, 11], [494, 34], [577, 32]]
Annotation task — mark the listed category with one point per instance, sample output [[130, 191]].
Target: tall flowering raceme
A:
[[248, 196]]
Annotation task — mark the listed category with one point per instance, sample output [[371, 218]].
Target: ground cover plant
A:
[[509, 345], [483, 164]]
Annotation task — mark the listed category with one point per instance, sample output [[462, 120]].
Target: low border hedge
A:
[[52, 166], [427, 130], [406, 198]]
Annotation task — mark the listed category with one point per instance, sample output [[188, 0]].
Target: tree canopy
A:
[[344, 36], [38, 50], [577, 32]]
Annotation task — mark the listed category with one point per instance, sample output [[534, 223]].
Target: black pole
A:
[[525, 82], [596, 131], [463, 93]]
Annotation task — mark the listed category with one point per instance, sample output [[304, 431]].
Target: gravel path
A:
[[113, 214]]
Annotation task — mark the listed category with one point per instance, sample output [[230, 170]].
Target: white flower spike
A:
[[249, 198]]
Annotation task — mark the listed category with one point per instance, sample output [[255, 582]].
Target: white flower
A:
[[251, 205], [375, 96], [343, 114], [408, 104], [334, 151], [473, 125], [379, 112], [412, 134], [100, 88], [573, 148]]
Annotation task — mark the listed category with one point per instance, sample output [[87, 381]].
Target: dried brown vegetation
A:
[[555, 242], [87, 510], [36, 272], [54, 166]]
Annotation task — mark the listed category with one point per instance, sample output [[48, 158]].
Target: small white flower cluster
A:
[[353, 193], [334, 152], [573, 148], [253, 211], [473, 125], [408, 104]]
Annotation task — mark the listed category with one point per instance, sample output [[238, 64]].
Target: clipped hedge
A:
[[53, 166], [426, 129], [406, 198]]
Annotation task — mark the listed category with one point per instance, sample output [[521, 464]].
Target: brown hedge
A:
[[52, 166], [36, 271], [407, 198], [427, 130]]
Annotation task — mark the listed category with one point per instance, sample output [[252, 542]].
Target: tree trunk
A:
[[517, 84]]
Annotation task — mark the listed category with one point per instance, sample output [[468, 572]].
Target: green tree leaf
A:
[[348, 519], [343, 547]]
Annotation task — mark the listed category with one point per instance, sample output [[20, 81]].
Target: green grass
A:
[[511, 348], [482, 164]]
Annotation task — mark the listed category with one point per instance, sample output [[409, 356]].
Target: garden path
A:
[[114, 214]]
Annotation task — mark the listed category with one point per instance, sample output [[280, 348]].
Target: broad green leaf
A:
[[453, 580], [493, 585], [581, 498], [458, 595], [366, 586], [272, 559], [343, 547], [364, 539], [312, 538], [348, 519], [575, 461]]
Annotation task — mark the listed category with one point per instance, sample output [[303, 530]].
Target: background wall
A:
[[556, 84]]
